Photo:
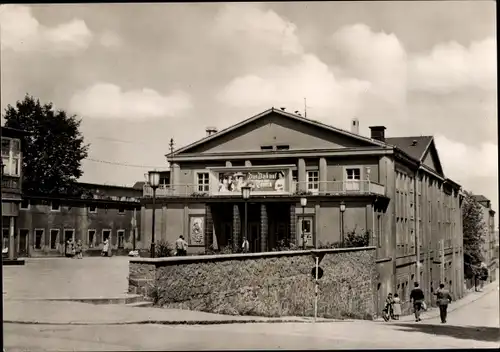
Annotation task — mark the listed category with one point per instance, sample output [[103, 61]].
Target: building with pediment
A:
[[392, 188]]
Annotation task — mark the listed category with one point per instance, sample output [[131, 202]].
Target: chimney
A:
[[283, 109], [210, 130], [414, 143], [378, 133], [355, 126]]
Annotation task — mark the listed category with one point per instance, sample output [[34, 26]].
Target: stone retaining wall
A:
[[264, 284]]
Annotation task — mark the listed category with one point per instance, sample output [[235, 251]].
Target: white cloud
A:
[[287, 86], [22, 32], [249, 28], [105, 100], [449, 67], [461, 161]]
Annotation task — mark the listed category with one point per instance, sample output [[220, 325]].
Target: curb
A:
[[176, 322]]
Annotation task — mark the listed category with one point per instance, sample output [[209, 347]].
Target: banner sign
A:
[[258, 181]]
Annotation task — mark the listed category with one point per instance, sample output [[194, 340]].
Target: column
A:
[[263, 228], [293, 225], [248, 163], [323, 175], [175, 178], [12, 244], [236, 227], [209, 227], [369, 224], [302, 176]]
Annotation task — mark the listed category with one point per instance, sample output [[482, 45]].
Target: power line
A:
[[125, 164]]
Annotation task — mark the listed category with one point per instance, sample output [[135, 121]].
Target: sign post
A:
[[134, 228], [316, 291]]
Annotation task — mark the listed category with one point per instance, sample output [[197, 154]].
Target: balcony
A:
[[11, 184], [323, 188]]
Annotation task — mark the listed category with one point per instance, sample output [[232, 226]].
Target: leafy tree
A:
[[52, 154], [474, 230]]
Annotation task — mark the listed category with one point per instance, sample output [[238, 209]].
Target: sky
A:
[[140, 74]]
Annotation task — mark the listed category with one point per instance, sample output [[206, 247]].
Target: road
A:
[[473, 326]]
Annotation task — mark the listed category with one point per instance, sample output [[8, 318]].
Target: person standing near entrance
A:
[[181, 247], [443, 299], [417, 297], [245, 246]]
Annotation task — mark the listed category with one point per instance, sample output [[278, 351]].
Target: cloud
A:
[[110, 39], [287, 86], [450, 67], [105, 100], [22, 32], [462, 161]]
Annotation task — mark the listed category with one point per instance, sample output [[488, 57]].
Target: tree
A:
[[53, 152], [474, 230]]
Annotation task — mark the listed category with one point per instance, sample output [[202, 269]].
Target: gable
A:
[[431, 159], [273, 130]]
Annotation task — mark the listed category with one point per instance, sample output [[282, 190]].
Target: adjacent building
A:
[[490, 245], [392, 188], [11, 173], [102, 212]]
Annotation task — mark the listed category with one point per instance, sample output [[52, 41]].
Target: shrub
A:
[[353, 239], [164, 249], [222, 250], [285, 245]]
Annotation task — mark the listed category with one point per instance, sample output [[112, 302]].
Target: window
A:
[[121, 238], [203, 182], [165, 180], [305, 227], [25, 204], [91, 238], [11, 156], [106, 234], [69, 235], [5, 238], [282, 147], [353, 176], [121, 210], [54, 235], [39, 238], [266, 147], [312, 181], [55, 206], [92, 208]]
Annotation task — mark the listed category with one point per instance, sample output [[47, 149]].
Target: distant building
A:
[[103, 211], [392, 188], [490, 246], [12, 175]]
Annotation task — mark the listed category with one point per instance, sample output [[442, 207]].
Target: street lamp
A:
[[342, 210], [303, 203], [154, 182], [245, 194]]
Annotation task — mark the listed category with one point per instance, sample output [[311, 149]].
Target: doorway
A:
[[23, 242], [254, 236], [106, 234], [69, 235]]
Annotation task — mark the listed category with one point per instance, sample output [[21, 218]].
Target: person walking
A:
[[417, 298], [181, 247], [79, 249], [396, 306], [105, 248], [443, 299], [245, 246]]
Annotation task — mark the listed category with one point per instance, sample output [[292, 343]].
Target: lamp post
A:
[[245, 194], [342, 210], [303, 203], [154, 182]]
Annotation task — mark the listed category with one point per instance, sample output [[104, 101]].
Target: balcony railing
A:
[[11, 184], [325, 188]]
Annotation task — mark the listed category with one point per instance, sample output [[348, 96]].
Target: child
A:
[[396, 306]]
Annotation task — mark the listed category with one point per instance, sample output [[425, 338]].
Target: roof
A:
[[416, 151], [283, 113], [139, 185], [480, 198]]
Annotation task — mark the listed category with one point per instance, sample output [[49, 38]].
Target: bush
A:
[[285, 245], [163, 249], [353, 239], [223, 250]]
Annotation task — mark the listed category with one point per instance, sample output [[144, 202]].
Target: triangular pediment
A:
[[280, 131], [431, 158]]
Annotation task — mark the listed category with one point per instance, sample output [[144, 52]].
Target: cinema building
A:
[[392, 188]]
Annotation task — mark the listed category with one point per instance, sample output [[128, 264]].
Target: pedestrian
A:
[[396, 306], [181, 247], [105, 248], [417, 298], [388, 311], [245, 246], [443, 299], [79, 249]]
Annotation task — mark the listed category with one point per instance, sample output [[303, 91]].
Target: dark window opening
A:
[[121, 210], [92, 209], [121, 238], [55, 206], [25, 204], [38, 239], [91, 238], [266, 147], [106, 234], [53, 238], [282, 147]]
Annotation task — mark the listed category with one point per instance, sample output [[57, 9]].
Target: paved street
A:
[[475, 325]]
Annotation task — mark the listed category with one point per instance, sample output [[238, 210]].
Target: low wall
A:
[[263, 284]]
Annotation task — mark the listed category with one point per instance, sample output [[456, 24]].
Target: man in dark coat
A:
[[443, 299]]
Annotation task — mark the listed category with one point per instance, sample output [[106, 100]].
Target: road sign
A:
[[320, 272]]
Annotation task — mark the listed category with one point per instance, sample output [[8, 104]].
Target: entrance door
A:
[[254, 236], [305, 231], [23, 242], [68, 235]]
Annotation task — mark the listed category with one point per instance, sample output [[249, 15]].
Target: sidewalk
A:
[[74, 313], [432, 312]]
